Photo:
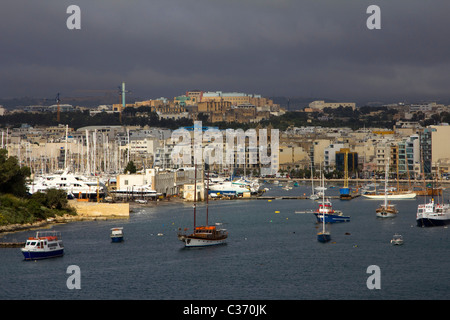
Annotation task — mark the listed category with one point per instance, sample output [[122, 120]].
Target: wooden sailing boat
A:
[[386, 210], [203, 235], [393, 194], [324, 235]]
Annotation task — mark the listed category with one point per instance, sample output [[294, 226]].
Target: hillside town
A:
[[412, 150]]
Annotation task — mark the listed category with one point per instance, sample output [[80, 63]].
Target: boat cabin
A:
[[205, 231], [326, 207], [36, 243], [44, 240], [208, 232]]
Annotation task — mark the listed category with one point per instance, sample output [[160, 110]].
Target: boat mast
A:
[[398, 183], [346, 169], [65, 149], [195, 192], [386, 183], [207, 196], [312, 179], [323, 204]]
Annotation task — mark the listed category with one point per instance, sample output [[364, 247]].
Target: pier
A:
[[296, 197]]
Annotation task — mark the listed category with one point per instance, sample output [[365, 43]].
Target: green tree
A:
[[56, 199], [131, 168], [12, 176]]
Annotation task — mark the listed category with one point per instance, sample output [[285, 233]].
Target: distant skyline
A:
[[162, 48]]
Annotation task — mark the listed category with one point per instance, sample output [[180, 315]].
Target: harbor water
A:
[[271, 254]]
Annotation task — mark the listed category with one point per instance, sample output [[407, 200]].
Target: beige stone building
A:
[[292, 156], [440, 146], [320, 105], [237, 98]]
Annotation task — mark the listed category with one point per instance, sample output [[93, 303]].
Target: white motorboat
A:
[[74, 184], [397, 240], [433, 214], [46, 244]]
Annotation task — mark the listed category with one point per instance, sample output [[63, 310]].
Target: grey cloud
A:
[[164, 47]]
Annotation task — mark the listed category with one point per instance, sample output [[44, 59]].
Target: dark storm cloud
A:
[[164, 47]]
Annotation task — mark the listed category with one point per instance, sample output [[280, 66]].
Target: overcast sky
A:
[[294, 48]]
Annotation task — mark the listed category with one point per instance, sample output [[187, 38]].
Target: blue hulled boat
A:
[[117, 234], [46, 244], [323, 236], [327, 213]]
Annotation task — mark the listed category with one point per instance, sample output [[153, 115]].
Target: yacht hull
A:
[[195, 242], [430, 222], [323, 237], [37, 255], [116, 239], [402, 196], [331, 218]]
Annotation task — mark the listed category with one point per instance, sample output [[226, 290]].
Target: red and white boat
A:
[[46, 244]]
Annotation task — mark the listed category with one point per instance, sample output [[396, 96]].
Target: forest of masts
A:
[[91, 154]]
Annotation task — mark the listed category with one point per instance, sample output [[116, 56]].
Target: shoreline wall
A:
[[100, 209]]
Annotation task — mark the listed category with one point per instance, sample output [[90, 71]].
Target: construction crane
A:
[[58, 111], [122, 92], [345, 191]]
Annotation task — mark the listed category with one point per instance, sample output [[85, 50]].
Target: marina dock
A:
[[295, 197]]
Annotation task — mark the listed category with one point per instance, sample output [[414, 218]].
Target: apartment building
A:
[[237, 98], [440, 150], [330, 155]]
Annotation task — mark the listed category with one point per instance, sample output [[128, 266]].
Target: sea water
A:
[[272, 253]]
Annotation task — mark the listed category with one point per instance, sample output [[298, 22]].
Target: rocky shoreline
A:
[[48, 223], [22, 227], [70, 218]]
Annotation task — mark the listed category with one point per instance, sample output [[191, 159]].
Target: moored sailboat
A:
[[394, 195], [207, 235], [313, 195], [386, 210], [324, 235], [326, 213]]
